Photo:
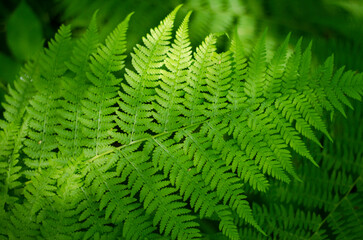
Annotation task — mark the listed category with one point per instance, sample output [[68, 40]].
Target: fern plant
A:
[[90, 150]]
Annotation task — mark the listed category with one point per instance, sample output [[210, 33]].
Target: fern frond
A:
[[236, 95], [182, 174], [256, 71], [98, 106], [42, 109], [10, 169], [169, 96], [69, 131], [256, 148], [114, 198], [92, 220], [196, 81], [13, 131], [218, 176], [147, 60], [60, 218], [218, 83], [40, 190], [274, 145], [84, 48], [275, 70], [289, 133], [234, 156], [292, 115], [190, 184], [18, 98], [156, 194], [227, 224], [294, 102], [290, 76], [334, 89], [38, 194]]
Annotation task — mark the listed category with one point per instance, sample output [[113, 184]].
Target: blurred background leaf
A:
[[24, 32]]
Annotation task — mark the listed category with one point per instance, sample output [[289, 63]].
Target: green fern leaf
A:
[[196, 81], [146, 60], [42, 140], [114, 198], [170, 212], [169, 95], [236, 93], [98, 107], [69, 132], [256, 71]]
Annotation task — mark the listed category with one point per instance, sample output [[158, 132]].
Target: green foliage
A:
[[183, 138], [24, 34]]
